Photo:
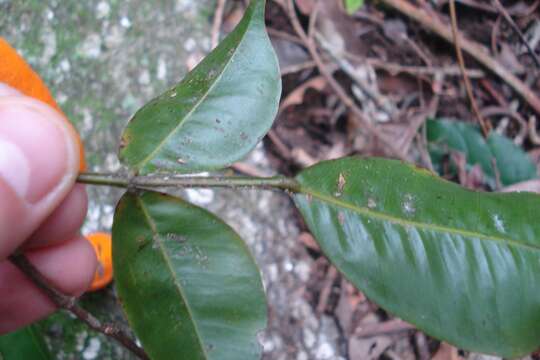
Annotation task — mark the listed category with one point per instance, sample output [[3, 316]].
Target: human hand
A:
[[41, 208]]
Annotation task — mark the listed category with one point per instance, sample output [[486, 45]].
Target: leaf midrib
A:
[[404, 222], [177, 283], [158, 148]]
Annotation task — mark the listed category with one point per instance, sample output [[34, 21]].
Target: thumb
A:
[[39, 162]]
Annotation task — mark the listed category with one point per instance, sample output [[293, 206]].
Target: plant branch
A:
[[486, 128], [69, 303], [167, 181], [478, 52]]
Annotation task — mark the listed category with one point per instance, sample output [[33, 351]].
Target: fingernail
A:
[[35, 148]]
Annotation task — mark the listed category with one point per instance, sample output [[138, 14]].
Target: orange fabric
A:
[[15, 72], [102, 244]]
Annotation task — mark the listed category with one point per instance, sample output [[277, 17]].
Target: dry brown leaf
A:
[[309, 241], [296, 96], [305, 6], [447, 352], [510, 60], [471, 179], [302, 157], [525, 186], [233, 18], [369, 348]]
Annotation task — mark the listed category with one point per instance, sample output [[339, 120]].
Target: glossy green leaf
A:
[[512, 163], [463, 266], [217, 114], [352, 6], [187, 282], [24, 344]]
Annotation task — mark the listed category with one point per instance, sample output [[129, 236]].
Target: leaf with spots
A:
[[187, 282], [217, 114], [24, 344], [462, 266]]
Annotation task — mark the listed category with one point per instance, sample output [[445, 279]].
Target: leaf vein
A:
[[403, 222], [195, 106], [177, 284]]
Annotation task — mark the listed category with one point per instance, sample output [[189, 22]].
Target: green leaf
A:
[[187, 282], [24, 344], [512, 163], [217, 114], [352, 6], [463, 266]]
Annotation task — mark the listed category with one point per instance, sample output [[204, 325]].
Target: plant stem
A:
[[69, 303], [485, 126], [168, 181]]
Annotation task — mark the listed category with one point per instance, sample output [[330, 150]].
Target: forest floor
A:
[[374, 82]]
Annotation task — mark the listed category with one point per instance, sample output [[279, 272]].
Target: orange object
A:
[[102, 244], [15, 72]]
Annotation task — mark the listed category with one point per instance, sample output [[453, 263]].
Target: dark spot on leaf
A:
[[341, 218], [126, 139], [141, 242]]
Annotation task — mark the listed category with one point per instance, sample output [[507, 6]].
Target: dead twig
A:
[[395, 69], [494, 93], [475, 50], [70, 304], [418, 120], [476, 5], [326, 289], [533, 134], [490, 111], [218, 20], [486, 128], [514, 26], [340, 92], [384, 328], [297, 67], [422, 346], [284, 35], [348, 68], [247, 169], [282, 149]]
